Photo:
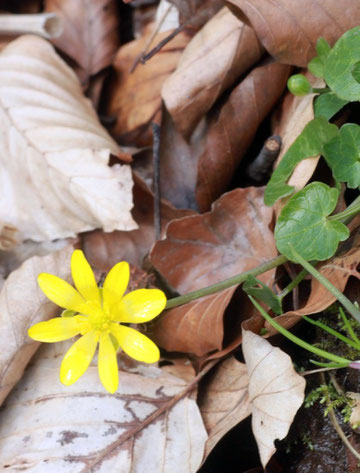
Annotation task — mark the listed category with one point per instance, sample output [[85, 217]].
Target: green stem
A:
[[348, 326], [323, 90], [349, 213], [295, 282], [237, 279], [297, 340], [333, 332], [349, 306]]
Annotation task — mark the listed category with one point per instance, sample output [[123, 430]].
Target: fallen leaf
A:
[[199, 11], [214, 59], [90, 34], [355, 411], [104, 250], [276, 392], [66, 186], [337, 270], [232, 131], [135, 97], [21, 305], [294, 42], [149, 424], [8, 236], [224, 400], [204, 249]]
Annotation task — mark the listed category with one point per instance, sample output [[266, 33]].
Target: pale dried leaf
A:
[[8, 236], [355, 412], [225, 400], [90, 34], [49, 427], [21, 305], [54, 152], [217, 55], [276, 392]]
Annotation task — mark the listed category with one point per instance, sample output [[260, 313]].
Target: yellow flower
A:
[[99, 314]]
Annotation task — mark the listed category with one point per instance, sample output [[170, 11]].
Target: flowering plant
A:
[[97, 315]]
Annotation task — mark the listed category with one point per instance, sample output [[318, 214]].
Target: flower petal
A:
[[107, 364], [135, 344], [84, 278], [58, 329], [78, 358], [115, 284], [139, 306], [60, 292]]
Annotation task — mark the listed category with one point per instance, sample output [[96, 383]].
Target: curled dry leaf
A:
[[276, 392], [224, 400], [90, 34], [104, 250], [54, 152], [216, 56], [135, 97], [337, 270], [21, 305], [152, 423], [287, 33], [232, 131], [199, 11], [204, 249]]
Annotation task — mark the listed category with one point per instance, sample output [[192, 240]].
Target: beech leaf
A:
[[22, 304], [308, 144], [276, 392], [340, 64], [54, 154], [342, 155], [303, 224], [152, 423]]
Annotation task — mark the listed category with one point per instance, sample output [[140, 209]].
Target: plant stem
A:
[[295, 282], [237, 279], [349, 306], [349, 213], [322, 90]]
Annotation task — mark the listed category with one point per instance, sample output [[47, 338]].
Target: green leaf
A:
[[262, 293], [342, 154], [316, 65], [327, 105], [304, 225], [309, 143], [339, 66], [356, 72]]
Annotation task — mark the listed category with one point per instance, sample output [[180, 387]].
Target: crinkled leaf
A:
[[326, 105], [309, 143], [342, 154], [303, 223], [261, 291], [340, 64]]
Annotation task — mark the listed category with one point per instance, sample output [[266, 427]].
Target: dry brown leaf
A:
[[103, 250], [54, 152], [224, 400], [135, 98], [151, 424], [214, 59], [199, 11], [289, 29], [90, 34], [21, 305], [9, 236], [232, 131], [203, 250], [337, 270], [276, 392]]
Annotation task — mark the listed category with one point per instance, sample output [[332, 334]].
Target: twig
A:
[[261, 165], [158, 25], [336, 424], [156, 179], [48, 25], [166, 40]]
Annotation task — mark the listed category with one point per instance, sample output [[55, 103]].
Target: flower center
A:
[[100, 322]]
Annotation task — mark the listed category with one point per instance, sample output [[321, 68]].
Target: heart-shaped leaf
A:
[[309, 143], [342, 154], [340, 63], [303, 224], [326, 105]]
